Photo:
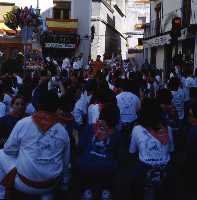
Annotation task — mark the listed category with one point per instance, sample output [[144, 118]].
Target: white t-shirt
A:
[[178, 100], [81, 108], [188, 84], [7, 100], [151, 150], [93, 113], [19, 80], [39, 156], [2, 109], [129, 105], [66, 64], [30, 109]]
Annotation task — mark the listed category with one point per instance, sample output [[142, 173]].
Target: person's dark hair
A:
[[164, 96], [193, 108], [150, 114], [110, 114], [124, 84], [67, 103], [48, 101], [26, 92], [91, 85], [44, 73], [174, 84], [17, 97], [134, 87], [1, 93]]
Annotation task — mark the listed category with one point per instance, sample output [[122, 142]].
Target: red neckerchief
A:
[[46, 120], [16, 115], [161, 135], [101, 130], [171, 110], [101, 106]]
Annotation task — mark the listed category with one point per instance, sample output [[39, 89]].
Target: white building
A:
[[108, 19], [172, 31], [137, 15]]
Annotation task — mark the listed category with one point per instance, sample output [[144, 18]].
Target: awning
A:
[[157, 41], [69, 25], [5, 29]]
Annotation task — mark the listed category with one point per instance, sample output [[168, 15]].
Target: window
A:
[[141, 20], [62, 10]]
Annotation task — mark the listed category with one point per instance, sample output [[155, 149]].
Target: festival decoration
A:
[[20, 17]]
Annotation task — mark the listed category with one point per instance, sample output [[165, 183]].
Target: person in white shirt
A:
[[37, 152], [151, 145], [81, 107], [93, 113], [128, 103], [7, 101], [178, 97], [2, 109], [66, 64], [76, 64]]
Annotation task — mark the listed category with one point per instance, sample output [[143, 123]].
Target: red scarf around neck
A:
[[101, 130], [45, 120], [161, 135]]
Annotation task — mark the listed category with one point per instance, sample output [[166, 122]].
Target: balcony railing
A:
[[158, 27]]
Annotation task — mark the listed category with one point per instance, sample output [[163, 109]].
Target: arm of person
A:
[[2, 109], [12, 146], [62, 89]]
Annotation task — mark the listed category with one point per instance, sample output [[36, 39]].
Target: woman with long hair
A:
[[151, 143]]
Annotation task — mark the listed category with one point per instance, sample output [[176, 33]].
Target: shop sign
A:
[[60, 46], [157, 41]]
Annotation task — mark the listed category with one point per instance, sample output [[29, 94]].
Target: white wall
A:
[[170, 9], [82, 12], [101, 18], [133, 11], [160, 58]]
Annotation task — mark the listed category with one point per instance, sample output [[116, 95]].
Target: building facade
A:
[[106, 17], [108, 22], [137, 15], [170, 37]]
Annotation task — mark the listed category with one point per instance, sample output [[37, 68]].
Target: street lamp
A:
[[37, 8], [37, 4]]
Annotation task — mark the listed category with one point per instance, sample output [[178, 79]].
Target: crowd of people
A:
[[94, 132]]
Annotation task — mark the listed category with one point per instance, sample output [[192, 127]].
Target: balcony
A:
[[142, 1], [68, 26], [159, 27]]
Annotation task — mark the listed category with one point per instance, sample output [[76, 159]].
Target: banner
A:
[[157, 41], [60, 46], [69, 25]]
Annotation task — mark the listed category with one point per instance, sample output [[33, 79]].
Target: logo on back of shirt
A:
[[100, 147]]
